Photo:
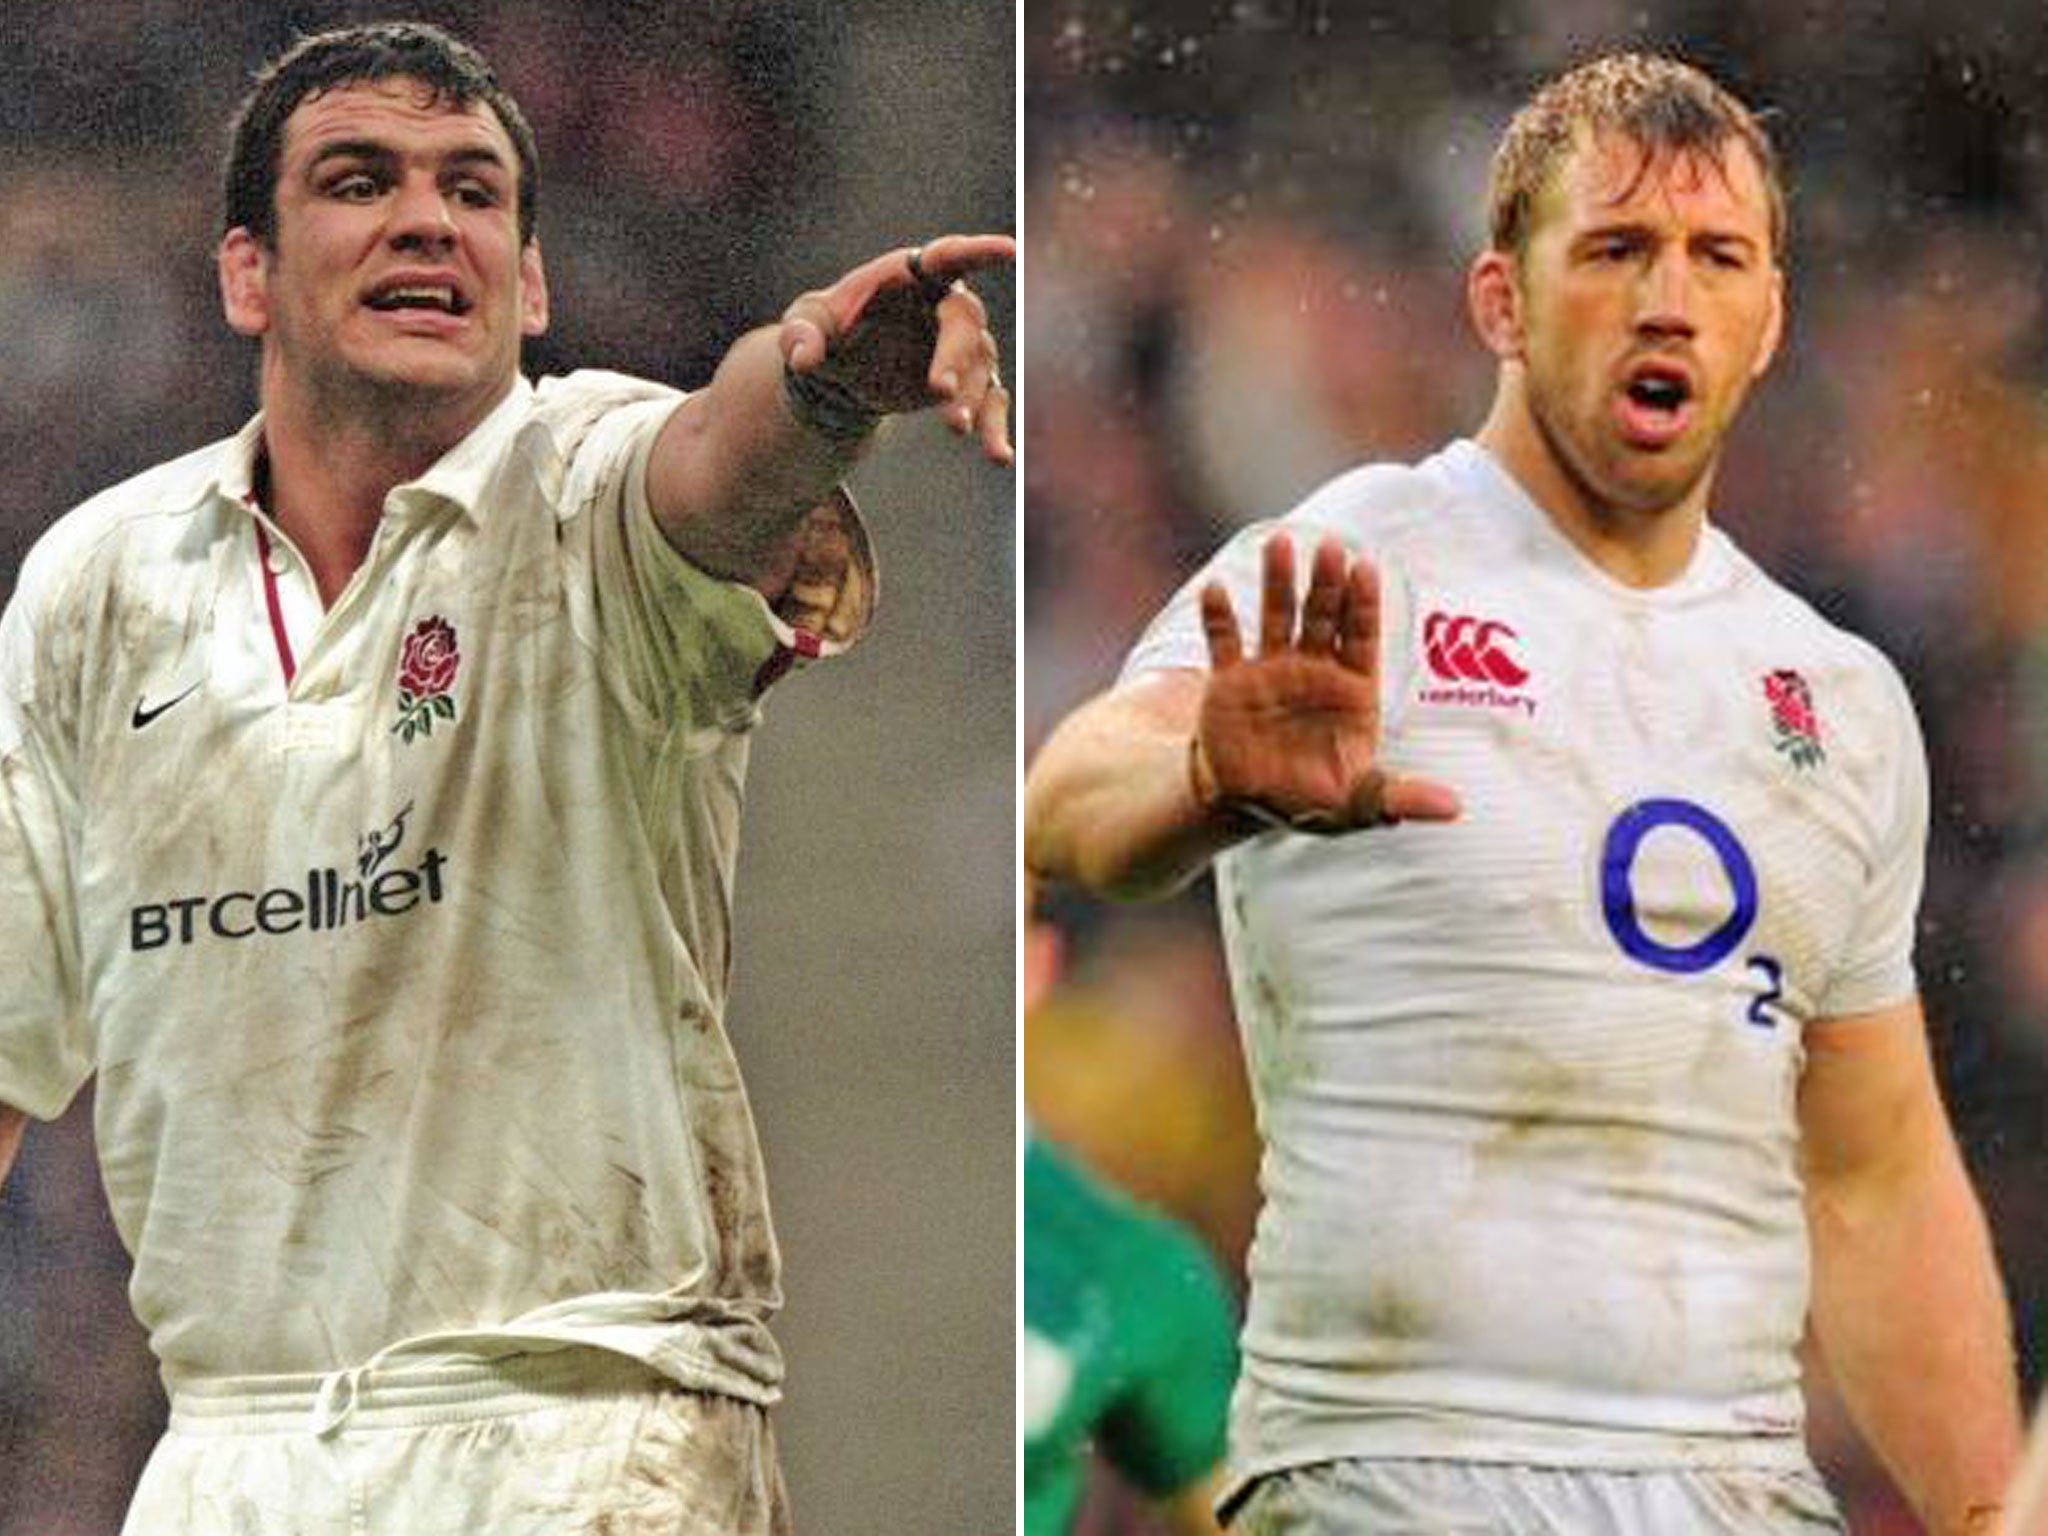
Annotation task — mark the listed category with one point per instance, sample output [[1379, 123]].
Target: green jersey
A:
[[1128, 1343]]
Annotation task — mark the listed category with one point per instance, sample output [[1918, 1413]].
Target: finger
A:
[[1405, 799], [1358, 627], [962, 360], [1219, 626], [847, 300], [995, 425], [1276, 600], [955, 256], [980, 389], [804, 337], [1325, 601]]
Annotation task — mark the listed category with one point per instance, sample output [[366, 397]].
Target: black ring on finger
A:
[[930, 289]]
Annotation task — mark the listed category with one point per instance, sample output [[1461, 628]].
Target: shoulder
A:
[[570, 406], [1402, 511], [1792, 618], [1378, 501], [133, 522]]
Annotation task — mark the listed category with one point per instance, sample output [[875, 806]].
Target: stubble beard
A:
[[1612, 502], [393, 402]]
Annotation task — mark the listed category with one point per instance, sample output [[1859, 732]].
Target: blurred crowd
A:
[[1248, 225], [701, 164]]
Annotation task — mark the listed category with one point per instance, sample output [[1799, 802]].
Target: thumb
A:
[[803, 345], [1405, 799]]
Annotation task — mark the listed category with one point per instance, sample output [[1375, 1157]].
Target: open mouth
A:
[[1655, 405], [1659, 391], [441, 298]]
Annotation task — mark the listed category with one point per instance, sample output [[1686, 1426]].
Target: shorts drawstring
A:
[[335, 1400]]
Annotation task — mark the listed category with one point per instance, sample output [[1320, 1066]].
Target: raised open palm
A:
[[1291, 735]]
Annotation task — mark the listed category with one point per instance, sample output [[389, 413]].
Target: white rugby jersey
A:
[[397, 934], [1527, 1081]]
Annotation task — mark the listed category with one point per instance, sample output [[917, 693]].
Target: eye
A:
[[477, 194], [353, 187]]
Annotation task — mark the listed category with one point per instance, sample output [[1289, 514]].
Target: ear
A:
[[533, 291], [1494, 299], [1774, 324], [1042, 957], [244, 269]]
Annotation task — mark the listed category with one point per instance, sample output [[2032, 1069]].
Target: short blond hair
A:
[[1661, 104]]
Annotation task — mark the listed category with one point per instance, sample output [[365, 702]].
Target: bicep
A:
[[1868, 1098]]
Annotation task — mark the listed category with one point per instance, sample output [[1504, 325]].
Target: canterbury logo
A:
[[1462, 649]]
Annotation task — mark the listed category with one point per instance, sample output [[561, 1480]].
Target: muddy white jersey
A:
[[397, 932], [1527, 1081]]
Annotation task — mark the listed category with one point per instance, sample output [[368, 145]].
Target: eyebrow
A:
[[1643, 228], [372, 149]]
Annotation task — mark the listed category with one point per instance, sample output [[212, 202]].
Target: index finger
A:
[[955, 256]]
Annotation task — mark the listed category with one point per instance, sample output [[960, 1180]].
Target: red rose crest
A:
[[1794, 725], [426, 677]]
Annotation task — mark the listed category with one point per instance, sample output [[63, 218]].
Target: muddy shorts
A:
[[574, 1443], [1453, 1498]]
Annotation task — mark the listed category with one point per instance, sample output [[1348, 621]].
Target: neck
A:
[[1638, 546], [329, 467]]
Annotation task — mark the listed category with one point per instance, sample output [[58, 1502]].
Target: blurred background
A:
[[701, 165], [1248, 224]]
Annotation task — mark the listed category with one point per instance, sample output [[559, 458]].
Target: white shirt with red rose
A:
[[397, 934], [1527, 1081]]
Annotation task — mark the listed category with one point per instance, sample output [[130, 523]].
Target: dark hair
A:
[[1660, 103], [450, 73]]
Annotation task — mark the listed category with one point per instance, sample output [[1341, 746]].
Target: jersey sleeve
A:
[[695, 648], [1353, 509], [1166, 1430], [45, 1047], [1877, 962]]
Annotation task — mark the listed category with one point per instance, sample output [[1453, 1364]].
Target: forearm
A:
[[12, 1123], [1109, 803], [1912, 1319], [733, 471]]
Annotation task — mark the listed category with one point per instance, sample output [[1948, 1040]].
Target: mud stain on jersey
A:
[[1394, 1313]]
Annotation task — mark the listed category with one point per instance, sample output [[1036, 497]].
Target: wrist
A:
[[1239, 815]]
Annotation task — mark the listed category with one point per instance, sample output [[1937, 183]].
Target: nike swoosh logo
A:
[[143, 715]]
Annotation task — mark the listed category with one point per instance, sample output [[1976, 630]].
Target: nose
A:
[[420, 216], [1666, 299]]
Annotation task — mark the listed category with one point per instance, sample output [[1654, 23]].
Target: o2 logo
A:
[[1618, 899]]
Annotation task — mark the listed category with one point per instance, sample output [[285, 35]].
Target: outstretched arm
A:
[[794, 404], [1907, 1303], [1139, 788]]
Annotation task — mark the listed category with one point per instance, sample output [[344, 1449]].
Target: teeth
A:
[[1662, 393], [406, 298]]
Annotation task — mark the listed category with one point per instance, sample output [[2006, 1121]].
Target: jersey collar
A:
[[459, 476], [1711, 568]]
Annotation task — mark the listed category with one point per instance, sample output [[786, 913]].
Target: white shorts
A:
[[577, 1443], [1462, 1498]]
